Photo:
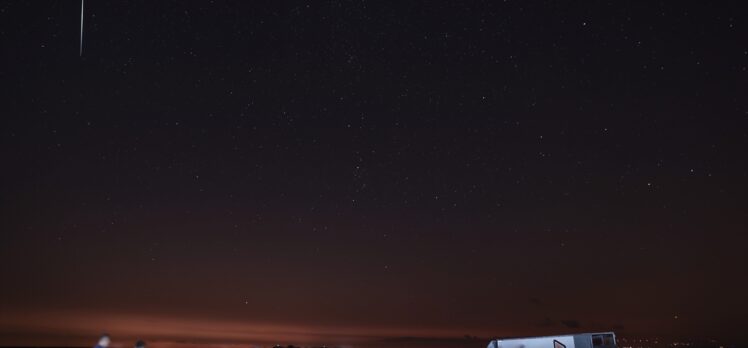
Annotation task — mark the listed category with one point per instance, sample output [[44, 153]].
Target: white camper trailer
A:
[[585, 340]]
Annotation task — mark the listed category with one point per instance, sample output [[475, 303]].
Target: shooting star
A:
[[81, 49]]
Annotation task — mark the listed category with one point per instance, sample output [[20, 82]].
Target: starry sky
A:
[[337, 171]]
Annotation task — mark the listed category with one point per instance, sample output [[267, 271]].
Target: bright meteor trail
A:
[[81, 47]]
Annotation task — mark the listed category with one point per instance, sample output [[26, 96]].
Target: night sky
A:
[[336, 172]]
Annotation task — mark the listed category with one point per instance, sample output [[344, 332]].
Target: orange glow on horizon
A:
[[80, 328]]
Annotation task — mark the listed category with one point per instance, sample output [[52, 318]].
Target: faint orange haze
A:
[[82, 329]]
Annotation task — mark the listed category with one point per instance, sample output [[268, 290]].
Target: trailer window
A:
[[608, 340], [597, 340]]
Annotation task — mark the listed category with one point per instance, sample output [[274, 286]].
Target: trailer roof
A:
[[549, 336]]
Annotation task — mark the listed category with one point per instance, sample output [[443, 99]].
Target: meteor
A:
[[81, 48]]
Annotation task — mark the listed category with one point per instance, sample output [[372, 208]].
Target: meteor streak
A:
[[81, 48]]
